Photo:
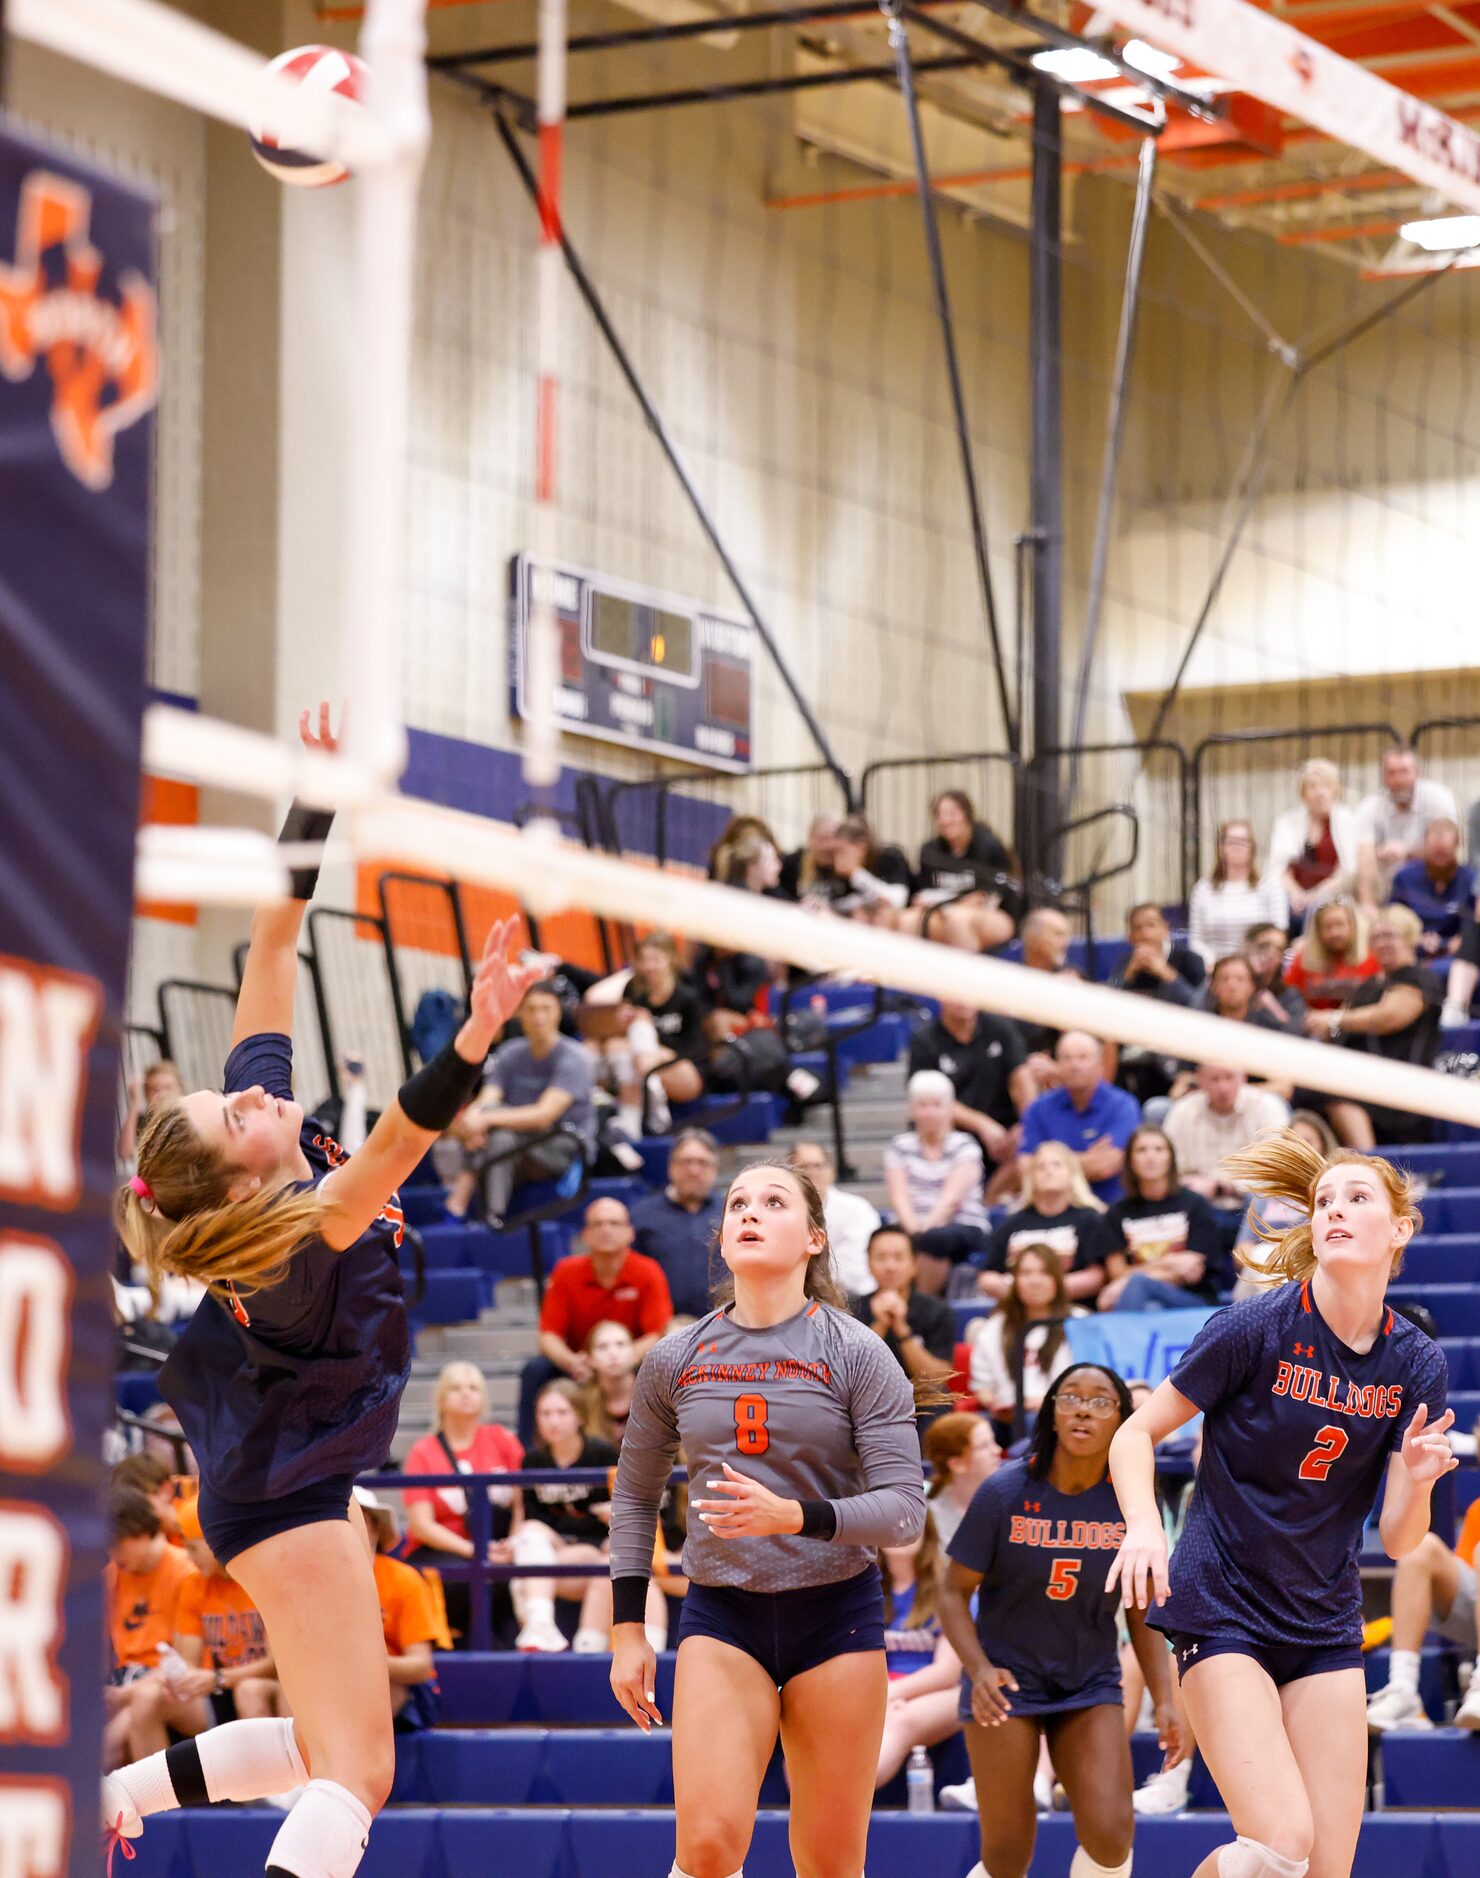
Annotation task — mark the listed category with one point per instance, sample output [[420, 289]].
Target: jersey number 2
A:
[[751, 1434], [1330, 1445], [1063, 1578]]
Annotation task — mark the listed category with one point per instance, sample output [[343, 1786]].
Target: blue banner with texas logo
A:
[[78, 376], [1139, 1345]]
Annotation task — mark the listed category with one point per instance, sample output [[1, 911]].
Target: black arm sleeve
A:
[[434, 1097], [305, 824]]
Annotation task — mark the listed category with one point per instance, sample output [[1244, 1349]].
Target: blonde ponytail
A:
[[1286, 1167], [186, 1222]]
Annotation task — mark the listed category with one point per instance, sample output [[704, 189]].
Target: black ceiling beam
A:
[[1018, 15], [766, 87]]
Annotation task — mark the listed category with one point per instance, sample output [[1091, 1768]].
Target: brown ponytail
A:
[[1285, 1167], [189, 1224]]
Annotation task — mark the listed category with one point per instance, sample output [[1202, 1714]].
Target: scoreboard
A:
[[638, 667]]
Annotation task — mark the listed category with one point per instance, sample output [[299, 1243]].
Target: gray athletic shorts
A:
[[1459, 1625]]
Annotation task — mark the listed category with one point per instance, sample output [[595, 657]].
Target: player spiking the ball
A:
[[288, 1379], [1314, 1394]]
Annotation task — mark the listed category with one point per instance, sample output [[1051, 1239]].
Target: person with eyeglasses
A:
[[1040, 1657]]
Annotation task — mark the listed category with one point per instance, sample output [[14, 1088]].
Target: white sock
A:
[[629, 1119], [1403, 1671], [1083, 1866], [1181, 1773], [533, 1598], [589, 1641], [324, 1836], [241, 1760], [642, 1038]]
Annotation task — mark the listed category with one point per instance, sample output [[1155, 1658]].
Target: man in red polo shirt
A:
[[608, 1282]]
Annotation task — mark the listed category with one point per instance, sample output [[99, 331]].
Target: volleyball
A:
[[316, 68]]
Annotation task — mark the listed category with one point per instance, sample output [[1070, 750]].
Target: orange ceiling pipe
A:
[[1298, 192], [1351, 231], [1434, 78]]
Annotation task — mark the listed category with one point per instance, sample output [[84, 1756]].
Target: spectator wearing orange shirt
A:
[[1433, 1588], [141, 1586], [225, 1670], [158, 1483], [408, 1617]]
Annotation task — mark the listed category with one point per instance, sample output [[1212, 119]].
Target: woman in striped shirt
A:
[[934, 1175], [1233, 897]]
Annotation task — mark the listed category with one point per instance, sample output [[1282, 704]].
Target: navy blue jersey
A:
[[1043, 1555], [302, 1382], [1297, 1435]]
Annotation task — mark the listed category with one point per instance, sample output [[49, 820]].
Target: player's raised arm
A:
[[1143, 1553], [428, 1101], [270, 975]]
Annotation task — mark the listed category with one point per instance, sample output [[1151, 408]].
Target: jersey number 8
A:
[[751, 1434]]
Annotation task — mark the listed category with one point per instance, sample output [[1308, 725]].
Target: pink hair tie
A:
[[141, 1186]]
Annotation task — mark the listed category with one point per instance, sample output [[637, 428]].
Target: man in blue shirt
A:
[[1086, 1113], [1439, 887], [678, 1226], [536, 1097]]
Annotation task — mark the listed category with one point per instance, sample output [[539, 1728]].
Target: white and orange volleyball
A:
[[315, 69]]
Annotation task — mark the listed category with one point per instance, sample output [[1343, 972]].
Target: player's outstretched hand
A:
[[501, 981], [989, 1705], [316, 729], [1426, 1451], [750, 1512], [635, 1675], [1142, 1555]]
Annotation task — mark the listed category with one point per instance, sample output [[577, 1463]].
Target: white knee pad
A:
[[678, 1872], [1083, 1866], [1247, 1858], [324, 1836]]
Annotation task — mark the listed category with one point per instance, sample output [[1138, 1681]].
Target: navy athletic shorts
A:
[[1281, 1662], [231, 1526], [1040, 1701], [789, 1632]]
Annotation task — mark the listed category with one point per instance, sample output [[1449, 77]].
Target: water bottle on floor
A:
[[919, 1782]]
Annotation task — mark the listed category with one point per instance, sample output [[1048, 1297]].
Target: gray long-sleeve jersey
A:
[[815, 1408]]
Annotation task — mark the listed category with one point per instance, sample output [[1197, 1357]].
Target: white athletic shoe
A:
[[1399, 1710], [591, 1642], [960, 1798], [541, 1633], [1467, 1715], [1043, 1785], [1162, 1794], [119, 1813]]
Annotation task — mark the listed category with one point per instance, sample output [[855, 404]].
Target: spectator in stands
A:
[[1086, 1113], [1059, 1211], [1252, 1247], [730, 984], [141, 1589], [665, 1035], [221, 1669], [169, 1441], [1234, 896], [1439, 887], [1045, 939], [1165, 1248], [606, 1402], [1234, 993], [808, 873], [566, 1524], [534, 1119], [1022, 1346], [1464, 971], [1332, 957], [1313, 848], [606, 1280], [924, 1671], [1392, 821], [868, 882], [1154, 968], [1433, 1589], [1221, 1115], [1394, 1015], [152, 1476], [463, 1441], [742, 832], [961, 1452], [851, 1220], [159, 1083], [1265, 948], [963, 891], [410, 1620], [679, 1226], [983, 1056], [934, 1174], [919, 1331]]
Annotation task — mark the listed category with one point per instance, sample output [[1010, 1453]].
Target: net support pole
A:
[[1125, 346], [669, 446], [899, 45], [1045, 341], [541, 725]]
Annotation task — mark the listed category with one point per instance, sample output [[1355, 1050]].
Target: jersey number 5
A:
[[1330, 1445], [751, 1434], [1063, 1578]]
